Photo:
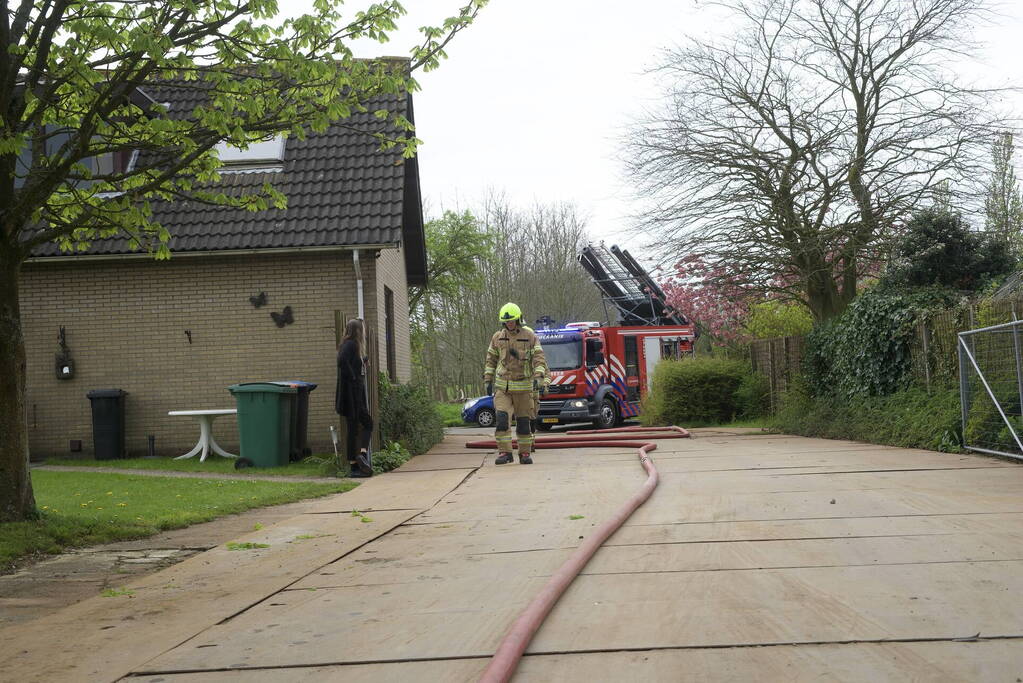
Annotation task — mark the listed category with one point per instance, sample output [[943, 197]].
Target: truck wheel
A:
[[485, 417], [608, 415]]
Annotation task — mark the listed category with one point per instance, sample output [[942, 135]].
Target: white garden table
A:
[[206, 440]]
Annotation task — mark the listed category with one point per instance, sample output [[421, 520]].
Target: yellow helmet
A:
[[510, 312]]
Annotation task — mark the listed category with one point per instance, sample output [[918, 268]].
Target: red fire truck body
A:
[[599, 374]]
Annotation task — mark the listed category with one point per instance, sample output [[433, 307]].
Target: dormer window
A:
[[265, 155], [114, 163]]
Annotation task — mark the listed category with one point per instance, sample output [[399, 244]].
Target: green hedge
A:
[[409, 416], [704, 391], [866, 351], [910, 418]]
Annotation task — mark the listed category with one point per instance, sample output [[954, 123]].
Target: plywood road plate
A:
[[759, 557], [895, 662], [104, 638]]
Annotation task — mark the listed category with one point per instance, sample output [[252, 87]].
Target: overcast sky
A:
[[535, 96]]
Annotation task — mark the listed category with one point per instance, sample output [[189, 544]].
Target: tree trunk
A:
[[17, 503], [822, 295]]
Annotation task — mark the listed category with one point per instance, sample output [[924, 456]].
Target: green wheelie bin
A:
[[264, 422]]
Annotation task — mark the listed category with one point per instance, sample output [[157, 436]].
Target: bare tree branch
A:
[[792, 153]]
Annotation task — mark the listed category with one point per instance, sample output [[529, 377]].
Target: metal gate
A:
[[991, 389]]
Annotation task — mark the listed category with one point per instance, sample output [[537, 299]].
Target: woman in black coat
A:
[[350, 398]]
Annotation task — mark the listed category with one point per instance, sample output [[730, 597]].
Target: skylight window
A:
[[265, 153]]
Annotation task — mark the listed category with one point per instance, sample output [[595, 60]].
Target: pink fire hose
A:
[[506, 658]]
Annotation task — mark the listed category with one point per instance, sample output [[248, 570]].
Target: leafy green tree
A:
[[770, 319], [72, 80], [457, 247], [1003, 205], [938, 248]]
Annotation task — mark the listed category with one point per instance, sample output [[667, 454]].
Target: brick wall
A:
[[125, 322], [391, 273]]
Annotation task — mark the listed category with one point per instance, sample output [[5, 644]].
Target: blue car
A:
[[479, 411]]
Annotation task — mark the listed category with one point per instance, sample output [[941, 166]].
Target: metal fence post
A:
[[964, 391], [927, 356], [1019, 363]]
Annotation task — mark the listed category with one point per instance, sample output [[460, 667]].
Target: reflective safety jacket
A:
[[514, 359]]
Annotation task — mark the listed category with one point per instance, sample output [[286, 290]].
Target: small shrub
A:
[[753, 397], [393, 456], [409, 416], [695, 391]]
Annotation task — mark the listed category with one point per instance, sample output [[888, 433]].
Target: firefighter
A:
[[537, 393], [514, 369]]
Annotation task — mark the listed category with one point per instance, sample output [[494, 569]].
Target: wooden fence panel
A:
[[933, 349], [779, 360]]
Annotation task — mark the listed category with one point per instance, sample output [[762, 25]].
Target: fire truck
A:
[[599, 372]]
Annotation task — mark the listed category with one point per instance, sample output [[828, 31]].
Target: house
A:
[[175, 334]]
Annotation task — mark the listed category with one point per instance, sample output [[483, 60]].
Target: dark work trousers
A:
[[363, 436]]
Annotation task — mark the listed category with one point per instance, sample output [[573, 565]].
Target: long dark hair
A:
[[355, 331]]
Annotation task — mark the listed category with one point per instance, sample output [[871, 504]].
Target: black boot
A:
[[524, 459], [365, 461], [503, 459], [358, 471]]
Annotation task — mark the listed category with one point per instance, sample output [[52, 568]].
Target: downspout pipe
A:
[[358, 283]]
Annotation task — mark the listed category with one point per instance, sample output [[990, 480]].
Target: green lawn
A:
[[91, 507], [214, 463], [451, 414]]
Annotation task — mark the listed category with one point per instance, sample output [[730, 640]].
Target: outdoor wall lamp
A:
[[64, 366]]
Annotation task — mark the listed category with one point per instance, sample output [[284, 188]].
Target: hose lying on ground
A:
[[506, 658]]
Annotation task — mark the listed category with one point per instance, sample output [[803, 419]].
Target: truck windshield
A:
[[563, 352]]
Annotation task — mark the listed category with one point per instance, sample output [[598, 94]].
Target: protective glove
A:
[[543, 388], [488, 387], [536, 384]]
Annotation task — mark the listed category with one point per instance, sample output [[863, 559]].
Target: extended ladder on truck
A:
[[625, 285], [600, 372]]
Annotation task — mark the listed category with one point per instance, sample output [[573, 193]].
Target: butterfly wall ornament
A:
[[259, 300], [283, 318]]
